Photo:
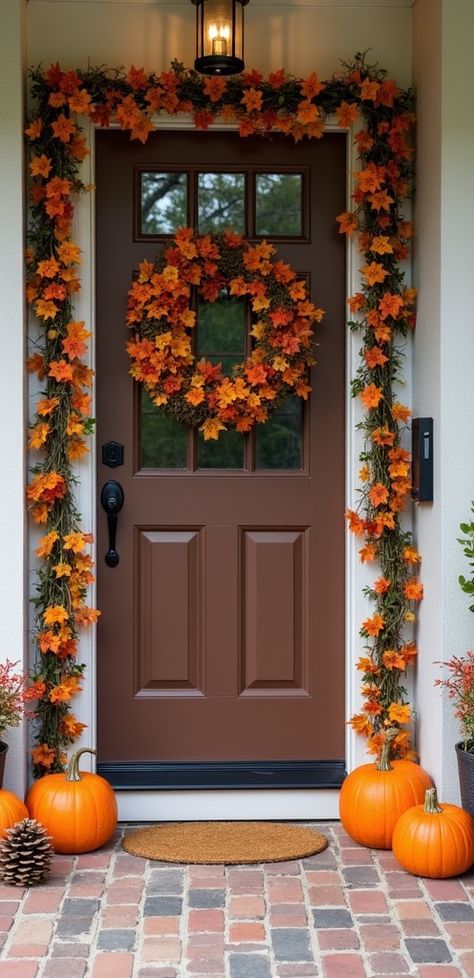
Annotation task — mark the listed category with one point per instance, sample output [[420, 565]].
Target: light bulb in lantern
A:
[[219, 36]]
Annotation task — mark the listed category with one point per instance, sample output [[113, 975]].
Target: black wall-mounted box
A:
[[422, 459]]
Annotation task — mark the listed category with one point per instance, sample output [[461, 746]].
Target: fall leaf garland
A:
[[161, 352], [384, 310]]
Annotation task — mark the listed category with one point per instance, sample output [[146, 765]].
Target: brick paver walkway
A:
[[346, 913]]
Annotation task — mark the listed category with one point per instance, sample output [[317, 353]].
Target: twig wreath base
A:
[[159, 310], [359, 93]]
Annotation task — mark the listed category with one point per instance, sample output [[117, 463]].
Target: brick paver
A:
[[349, 912]]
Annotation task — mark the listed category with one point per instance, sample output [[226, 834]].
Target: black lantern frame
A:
[[219, 36]]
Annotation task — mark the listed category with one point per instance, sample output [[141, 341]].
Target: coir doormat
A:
[[224, 842]]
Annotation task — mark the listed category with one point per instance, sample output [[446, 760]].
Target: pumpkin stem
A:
[[431, 806], [73, 772], [383, 763]]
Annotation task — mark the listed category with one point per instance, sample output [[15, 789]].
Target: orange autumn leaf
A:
[[46, 309], [311, 86], [413, 590], [252, 99], [69, 253], [399, 713], [360, 724], [46, 544], [215, 87], [70, 727], [400, 412], [373, 625], [63, 128], [39, 435], [355, 523], [40, 166], [348, 223], [380, 245], [211, 429], [390, 305], [374, 357], [80, 102], [393, 660], [347, 113], [378, 494], [43, 755], [75, 541], [383, 436], [356, 302], [36, 365], [380, 201], [369, 90], [55, 613], [374, 273], [73, 345], [86, 616], [381, 585], [371, 396], [367, 553], [411, 555], [61, 370], [34, 130]]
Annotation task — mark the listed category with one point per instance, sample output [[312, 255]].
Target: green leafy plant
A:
[[467, 542]]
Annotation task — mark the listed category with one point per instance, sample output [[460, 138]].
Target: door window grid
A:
[[282, 192], [277, 445]]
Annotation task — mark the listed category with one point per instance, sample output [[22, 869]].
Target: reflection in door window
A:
[[221, 326], [279, 440], [221, 202], [279, 204], [163, 202], [163, 438]]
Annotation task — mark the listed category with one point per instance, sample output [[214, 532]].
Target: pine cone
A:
[[25, 854]]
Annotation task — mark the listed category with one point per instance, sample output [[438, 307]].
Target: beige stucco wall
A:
[[298, 37]]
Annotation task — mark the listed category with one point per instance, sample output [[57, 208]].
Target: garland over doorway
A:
[[383, 311]]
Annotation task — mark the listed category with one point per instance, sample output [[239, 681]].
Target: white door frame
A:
[[235, 803]]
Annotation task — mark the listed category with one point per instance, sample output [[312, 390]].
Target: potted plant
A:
[[11, 705], [460, 685]]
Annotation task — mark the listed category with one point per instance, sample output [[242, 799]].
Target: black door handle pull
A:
[[111, 499]]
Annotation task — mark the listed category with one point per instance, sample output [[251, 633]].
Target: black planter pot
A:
[[466, 778], [3, 755]]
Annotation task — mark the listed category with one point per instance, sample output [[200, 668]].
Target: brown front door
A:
[[221, 642]]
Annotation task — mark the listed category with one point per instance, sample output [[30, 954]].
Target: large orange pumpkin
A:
[[12, 810], [374, 796], [434, 840], [78, 809]]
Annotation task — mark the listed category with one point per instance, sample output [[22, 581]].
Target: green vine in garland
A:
[[62, 421]]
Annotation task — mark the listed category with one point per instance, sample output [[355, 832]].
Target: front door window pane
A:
[[279, 440], [221, 202], [225, 453], [279, 204], [163, 438], [221, 326], [163, 202]]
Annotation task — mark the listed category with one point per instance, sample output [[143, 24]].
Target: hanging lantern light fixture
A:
[[219, 36]]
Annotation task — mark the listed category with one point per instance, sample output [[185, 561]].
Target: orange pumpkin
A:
[[78, 809], [434, 840], [12, 810], [374, 796]]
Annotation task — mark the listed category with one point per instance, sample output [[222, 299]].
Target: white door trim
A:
[[269, 803]]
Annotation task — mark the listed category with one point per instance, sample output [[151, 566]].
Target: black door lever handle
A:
[[111, 499]]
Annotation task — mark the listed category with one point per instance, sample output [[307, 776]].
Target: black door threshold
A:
[[148, 775]]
